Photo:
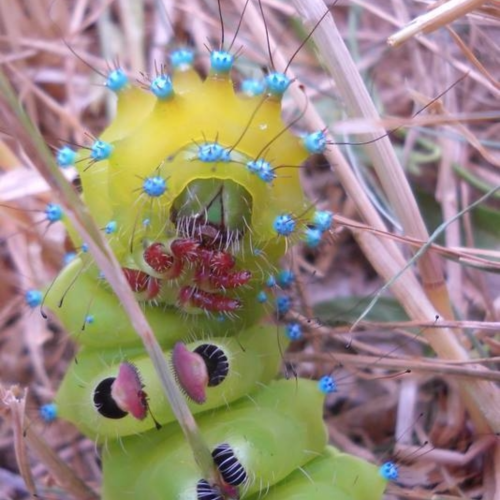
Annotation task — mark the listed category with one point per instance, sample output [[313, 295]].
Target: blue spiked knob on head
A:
[[221, 61], [48, 412], [154, 186], [162, 87], [293, 331], [277, 83], [110, 227], [266, 172], [389, 471], [33, 298], [327, 385], [210, 152], [323, 220], [283, 304], [53, 212], [312, 237], [284, 225], [182, 59], [116, 80], [101, 150], [66, 157], [315, 143]]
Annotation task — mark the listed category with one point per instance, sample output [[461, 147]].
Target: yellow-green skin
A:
[[163, 142], [333, 475], [273, 429]]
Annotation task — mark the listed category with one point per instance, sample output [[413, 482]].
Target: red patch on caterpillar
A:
[[216, 260], [207, 301], [207, 279], [230, 280], [140, 282], [185, 249], [157, 257]]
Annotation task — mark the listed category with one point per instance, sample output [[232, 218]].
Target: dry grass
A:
[[449, 153]]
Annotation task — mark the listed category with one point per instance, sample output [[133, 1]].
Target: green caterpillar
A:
[[197, 188]]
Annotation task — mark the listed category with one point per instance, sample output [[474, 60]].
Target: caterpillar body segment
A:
[[331, 475], [253, 359], [270, 434]]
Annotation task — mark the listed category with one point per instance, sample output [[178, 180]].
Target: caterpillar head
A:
[[195, 161]]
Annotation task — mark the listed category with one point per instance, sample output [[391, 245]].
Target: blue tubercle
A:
[[283, 304], [111, 227], [266, 173], [277, 83], [312, 237], [221, 61], [182, 58], [271, 281], [89, 319], [101, 150], [327, 385], [53, 212], [286, 277], [84, 247], [33, 298], [293, 331], [284, 225], [323, 219], [117, 80], [262, 297], [254, 166], [389, 471], [162, 87], [252, 87], [262, 168], [66, 157], [48, 412], [212, 152], [315, 143], [154, 186]]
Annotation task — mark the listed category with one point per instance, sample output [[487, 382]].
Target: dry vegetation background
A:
[[441, 320]]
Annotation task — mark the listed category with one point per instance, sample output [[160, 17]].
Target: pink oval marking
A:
[[191, 372], [127, 391]]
